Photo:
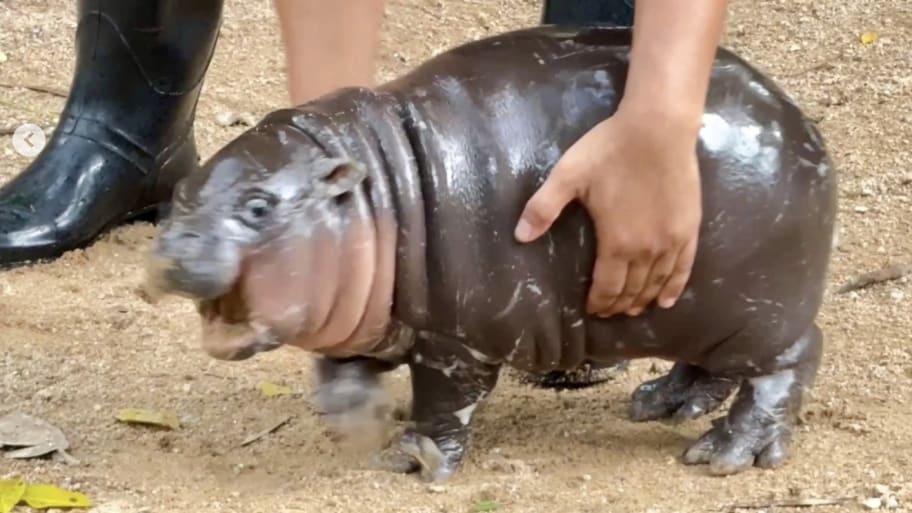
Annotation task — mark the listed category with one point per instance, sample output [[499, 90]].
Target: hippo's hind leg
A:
[[448, 383], [685, 393], [758, 428]]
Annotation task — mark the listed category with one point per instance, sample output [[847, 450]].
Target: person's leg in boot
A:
[[329, 45], [616, 13], [588, 12], [125, 135]]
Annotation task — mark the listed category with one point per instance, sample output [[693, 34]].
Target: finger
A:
[[679, 275], [544, 206], [608, 280], [637, 272], [658, 277]]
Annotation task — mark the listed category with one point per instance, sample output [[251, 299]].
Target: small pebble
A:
[[3, 57], [436, 489], [897, 295], [186, 387], [861, 210], [891, 503], [513, 466], [586, 477], [881, 489], [872, 503]]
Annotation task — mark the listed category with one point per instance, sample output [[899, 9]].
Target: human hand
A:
[[637, 175]]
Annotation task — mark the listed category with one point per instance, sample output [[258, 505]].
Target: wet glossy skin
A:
[[452, 151]]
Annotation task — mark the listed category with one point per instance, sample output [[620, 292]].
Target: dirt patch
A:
[[77, 344]]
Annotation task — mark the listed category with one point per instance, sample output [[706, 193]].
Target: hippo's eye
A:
[[256, 209]]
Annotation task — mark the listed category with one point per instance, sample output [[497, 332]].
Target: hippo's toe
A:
[[418, 453], [758, 428], [685, 393], [730, 451]]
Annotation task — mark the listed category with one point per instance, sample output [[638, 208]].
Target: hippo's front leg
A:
[[349, 396], [448, 383]]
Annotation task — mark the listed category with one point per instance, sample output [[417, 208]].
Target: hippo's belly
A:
[[487, 135]]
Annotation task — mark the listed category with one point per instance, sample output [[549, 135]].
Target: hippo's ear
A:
[[333, 177]]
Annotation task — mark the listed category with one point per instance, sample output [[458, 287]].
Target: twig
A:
[[19, 106], [37, 88], [823, 66], [891, 272], [256, 436], [794, 503]]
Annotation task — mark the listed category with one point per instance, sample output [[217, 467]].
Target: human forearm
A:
[[642, 160], [329, 45], [674, 45]]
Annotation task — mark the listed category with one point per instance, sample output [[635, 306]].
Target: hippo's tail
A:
[[587, 375]]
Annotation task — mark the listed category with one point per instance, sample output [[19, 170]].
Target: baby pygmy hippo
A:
[[374, 227]]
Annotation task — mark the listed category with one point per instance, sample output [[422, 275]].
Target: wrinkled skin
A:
[[388, 240]]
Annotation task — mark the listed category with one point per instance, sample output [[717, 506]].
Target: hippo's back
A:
[[488, 120]]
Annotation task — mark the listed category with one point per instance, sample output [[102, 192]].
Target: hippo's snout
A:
[[234, 341], [189, 263]]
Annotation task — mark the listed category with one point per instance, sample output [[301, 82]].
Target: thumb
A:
[[543, 208]]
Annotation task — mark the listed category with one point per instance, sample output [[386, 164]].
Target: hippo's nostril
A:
[[189, 235]]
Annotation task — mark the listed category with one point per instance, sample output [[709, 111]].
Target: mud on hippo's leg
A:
[[448, 383], [685, 393], [758, 427]]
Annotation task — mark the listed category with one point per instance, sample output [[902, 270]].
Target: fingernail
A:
[[634, 311], [667, 302], [523, 230]]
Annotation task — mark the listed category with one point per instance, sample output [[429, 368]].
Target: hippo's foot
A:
[[448, 383], [351, 400], [758, 428], [685, 393], [751, 434], [436, 461]]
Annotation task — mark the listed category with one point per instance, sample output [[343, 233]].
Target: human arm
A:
[[636, 172]]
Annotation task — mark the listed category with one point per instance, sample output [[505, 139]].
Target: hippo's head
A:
[[271, 239]]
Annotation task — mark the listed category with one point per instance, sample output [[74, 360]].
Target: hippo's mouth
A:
[[229, 333]]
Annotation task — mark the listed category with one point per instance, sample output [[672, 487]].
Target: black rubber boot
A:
[[125, 135], [583, 12], [588, 12]]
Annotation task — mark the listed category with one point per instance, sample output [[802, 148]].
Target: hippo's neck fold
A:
[[367, 126]]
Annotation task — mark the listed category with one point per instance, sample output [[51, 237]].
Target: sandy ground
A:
[[77, 344]]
